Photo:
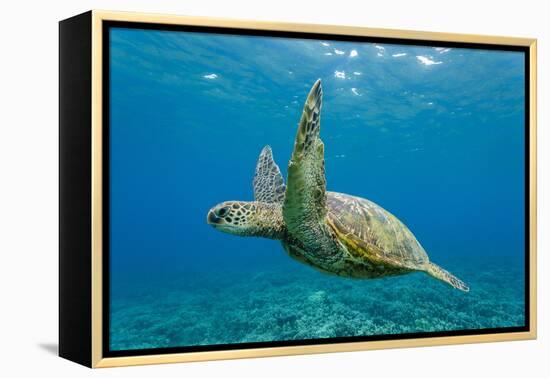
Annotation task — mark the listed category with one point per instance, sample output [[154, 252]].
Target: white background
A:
[[29, 189]]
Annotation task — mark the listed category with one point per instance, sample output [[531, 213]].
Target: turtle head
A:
[[233, 217], [247, 219]]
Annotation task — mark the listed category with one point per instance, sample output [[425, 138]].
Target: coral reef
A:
[[291, 302]]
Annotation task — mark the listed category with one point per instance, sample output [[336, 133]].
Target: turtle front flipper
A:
[[304, 207], [269, 186]]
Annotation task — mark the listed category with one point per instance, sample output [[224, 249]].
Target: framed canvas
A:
[[206, 212]]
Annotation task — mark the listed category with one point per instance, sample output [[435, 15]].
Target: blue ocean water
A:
[[433, 135]]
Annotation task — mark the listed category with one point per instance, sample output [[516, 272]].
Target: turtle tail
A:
[[441, 274]]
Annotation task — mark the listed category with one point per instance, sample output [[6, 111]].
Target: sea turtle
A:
[[335, 233]]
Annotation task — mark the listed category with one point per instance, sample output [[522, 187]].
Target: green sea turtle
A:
[[335, 233]]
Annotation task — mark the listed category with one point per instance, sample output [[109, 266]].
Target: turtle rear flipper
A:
[[441, 274]]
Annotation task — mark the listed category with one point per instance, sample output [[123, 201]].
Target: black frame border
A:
[[75, 189], [108, 25]]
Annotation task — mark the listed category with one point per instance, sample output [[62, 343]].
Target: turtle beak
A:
[[212, 218]]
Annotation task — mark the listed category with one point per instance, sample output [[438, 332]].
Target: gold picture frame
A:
[[84, 36]]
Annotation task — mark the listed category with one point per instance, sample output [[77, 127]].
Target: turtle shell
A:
[[372, 234]]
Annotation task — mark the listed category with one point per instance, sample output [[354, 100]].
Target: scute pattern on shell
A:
[[370, 232]]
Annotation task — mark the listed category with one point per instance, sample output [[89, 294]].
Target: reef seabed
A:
[[286, 304]]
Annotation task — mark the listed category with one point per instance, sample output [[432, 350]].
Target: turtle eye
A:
[[223, 211]]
